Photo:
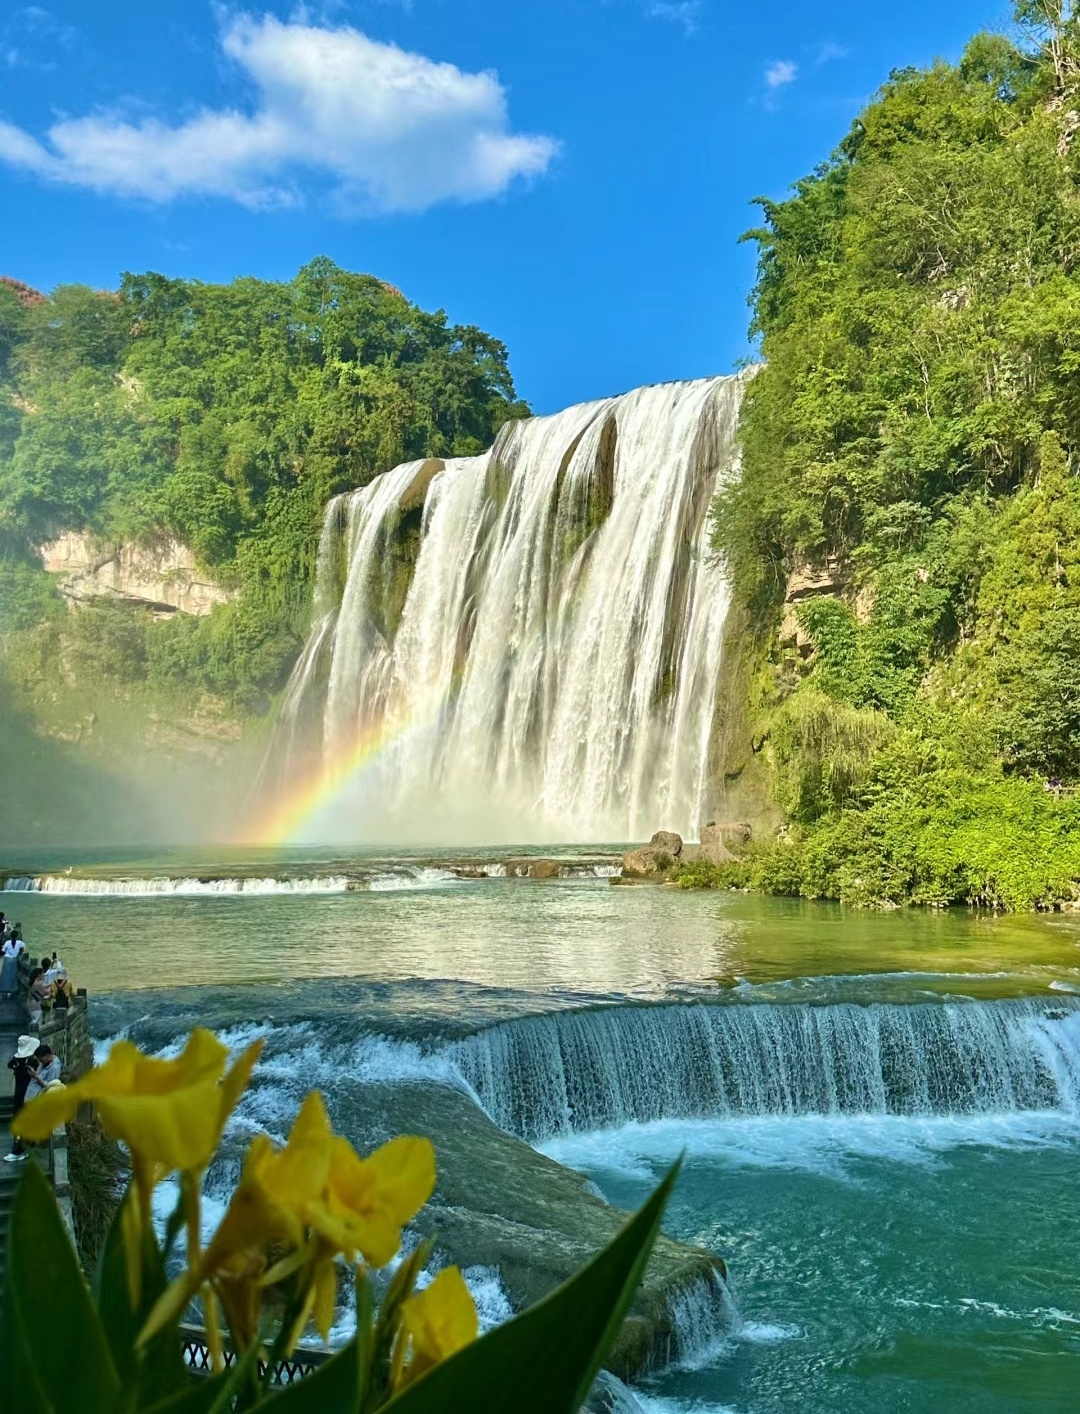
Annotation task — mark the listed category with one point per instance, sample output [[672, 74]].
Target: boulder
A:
[[653, 860], [719, 839], [668, 841], [528, 868]]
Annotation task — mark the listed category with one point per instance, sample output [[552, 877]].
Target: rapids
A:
[[879, 1114]]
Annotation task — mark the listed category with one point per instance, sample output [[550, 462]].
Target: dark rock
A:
[[668, 841]]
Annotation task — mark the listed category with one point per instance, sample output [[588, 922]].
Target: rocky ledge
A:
[[162, 577], [501, 1204], [719, 844]]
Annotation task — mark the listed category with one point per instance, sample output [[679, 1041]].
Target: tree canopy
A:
[[915, 429], [225, 415]]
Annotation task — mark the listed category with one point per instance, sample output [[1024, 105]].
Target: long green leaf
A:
[[333, 1388], [214, 1394], [157, 1371], [544, 1361], [57, 1359]]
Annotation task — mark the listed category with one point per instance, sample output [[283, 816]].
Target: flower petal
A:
[[440, 1320], [40, 1116]]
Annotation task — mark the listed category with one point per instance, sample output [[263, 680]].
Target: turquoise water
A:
[[880, 1265], [883, 1261]]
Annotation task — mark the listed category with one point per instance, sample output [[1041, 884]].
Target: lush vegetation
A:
[[914, 434], [225, 416]]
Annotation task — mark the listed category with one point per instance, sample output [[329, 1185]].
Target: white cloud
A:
[[782, 72], [388, 130], [828, 51], [680, 12]]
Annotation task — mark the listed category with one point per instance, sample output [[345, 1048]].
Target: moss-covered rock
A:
[[500, 1203]]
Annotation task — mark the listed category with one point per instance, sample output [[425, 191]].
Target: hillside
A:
[[201, 428], [905, 540]]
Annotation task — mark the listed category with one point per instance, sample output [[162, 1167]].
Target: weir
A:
[[525, 643], [571, 1072]]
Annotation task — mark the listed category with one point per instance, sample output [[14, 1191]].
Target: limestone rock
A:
[[654, 859], [668, 841], [162, 577], [804, 582], [502, 1204], [529, 868], [719, 839]]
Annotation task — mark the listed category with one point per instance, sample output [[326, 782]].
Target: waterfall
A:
[[578, 1071], [533, 635]]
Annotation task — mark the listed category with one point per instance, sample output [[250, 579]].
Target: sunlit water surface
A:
[[881, 1262]]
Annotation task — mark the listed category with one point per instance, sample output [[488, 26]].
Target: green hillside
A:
[[224, 416], [911, 446]]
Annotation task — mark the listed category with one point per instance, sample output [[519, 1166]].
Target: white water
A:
[[575, 1072], [156, 887], [554, 671]]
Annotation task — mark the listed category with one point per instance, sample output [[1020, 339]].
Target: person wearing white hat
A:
[[24, 1063]]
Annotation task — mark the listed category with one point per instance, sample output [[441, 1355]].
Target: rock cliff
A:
[[162, 576]]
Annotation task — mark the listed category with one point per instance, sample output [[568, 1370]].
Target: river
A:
[[880, 1112]]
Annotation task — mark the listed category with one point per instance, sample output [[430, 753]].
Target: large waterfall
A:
[[526, 643]]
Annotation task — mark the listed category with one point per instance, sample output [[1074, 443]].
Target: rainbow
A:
[[318, 790]]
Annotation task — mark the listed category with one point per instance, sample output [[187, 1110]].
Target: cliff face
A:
[[161, 577]]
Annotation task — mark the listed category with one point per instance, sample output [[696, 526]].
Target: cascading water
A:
[[571, 1072], [532, 636]]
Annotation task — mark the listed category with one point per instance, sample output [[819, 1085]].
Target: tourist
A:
[[38, 995], [9, 968], [63, 991], [24, 1063], [53, 967], [47, 1071]]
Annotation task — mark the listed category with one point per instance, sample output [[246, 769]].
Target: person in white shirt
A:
[[9, 969]]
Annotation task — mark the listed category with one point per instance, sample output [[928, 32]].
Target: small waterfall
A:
[[573, 1072], [532, 636]]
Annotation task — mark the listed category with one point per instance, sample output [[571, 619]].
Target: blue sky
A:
[[571, 175]]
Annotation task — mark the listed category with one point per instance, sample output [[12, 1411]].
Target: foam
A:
[[830, 1145], [163, 886]]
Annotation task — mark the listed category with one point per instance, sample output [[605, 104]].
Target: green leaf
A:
[[201, 1396], [544, 1361], [333, 1388], [157, 1371], [214, 1394], [56, 1357]]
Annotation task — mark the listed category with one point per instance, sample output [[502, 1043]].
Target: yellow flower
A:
[[277, 1187], [169, 1113], [368, 1201], [438, 1322]]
